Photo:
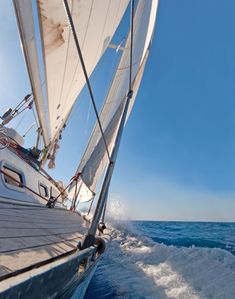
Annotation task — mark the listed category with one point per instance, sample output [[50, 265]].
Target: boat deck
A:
[[32, 235]]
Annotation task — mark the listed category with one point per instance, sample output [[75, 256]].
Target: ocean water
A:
[[183, 260]]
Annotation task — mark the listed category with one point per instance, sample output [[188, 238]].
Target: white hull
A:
[[60, 279], [38, 245], [30, 176]]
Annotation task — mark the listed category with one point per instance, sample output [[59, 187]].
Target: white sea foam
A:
[[136, 267]]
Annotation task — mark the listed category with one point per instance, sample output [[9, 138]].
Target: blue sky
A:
[[176, 160]]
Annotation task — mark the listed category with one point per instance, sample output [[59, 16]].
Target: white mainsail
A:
[[95, 23], [95, 158], [24, 14]]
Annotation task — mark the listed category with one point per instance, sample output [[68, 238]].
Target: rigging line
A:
[[19, 122], [18, 113], [104, 212], [131, 48], [23, 102], [125, 109], [91, 204], [85, 72], [82, 44], [35, 118], [106, 89]]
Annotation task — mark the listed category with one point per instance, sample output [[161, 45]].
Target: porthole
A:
[[43, 190], [12, 177]]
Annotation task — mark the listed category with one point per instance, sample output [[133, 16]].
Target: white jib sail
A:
[[24, 14], [95, 158], [95, 22]]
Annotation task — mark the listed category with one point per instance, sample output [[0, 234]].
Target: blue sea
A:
[[162, 260]]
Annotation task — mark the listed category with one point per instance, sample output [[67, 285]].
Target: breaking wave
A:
[[138, 267]]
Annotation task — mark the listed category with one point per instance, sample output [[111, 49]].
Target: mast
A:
[[24, 16], [90, 238]]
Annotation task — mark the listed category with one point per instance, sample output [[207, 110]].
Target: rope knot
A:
[[76, 176]]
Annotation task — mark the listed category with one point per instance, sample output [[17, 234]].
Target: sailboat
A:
[[48, 247]]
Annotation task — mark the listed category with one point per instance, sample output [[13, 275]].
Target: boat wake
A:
[[137, 267]]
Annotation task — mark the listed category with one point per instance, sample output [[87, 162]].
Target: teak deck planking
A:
[[32, 234]]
